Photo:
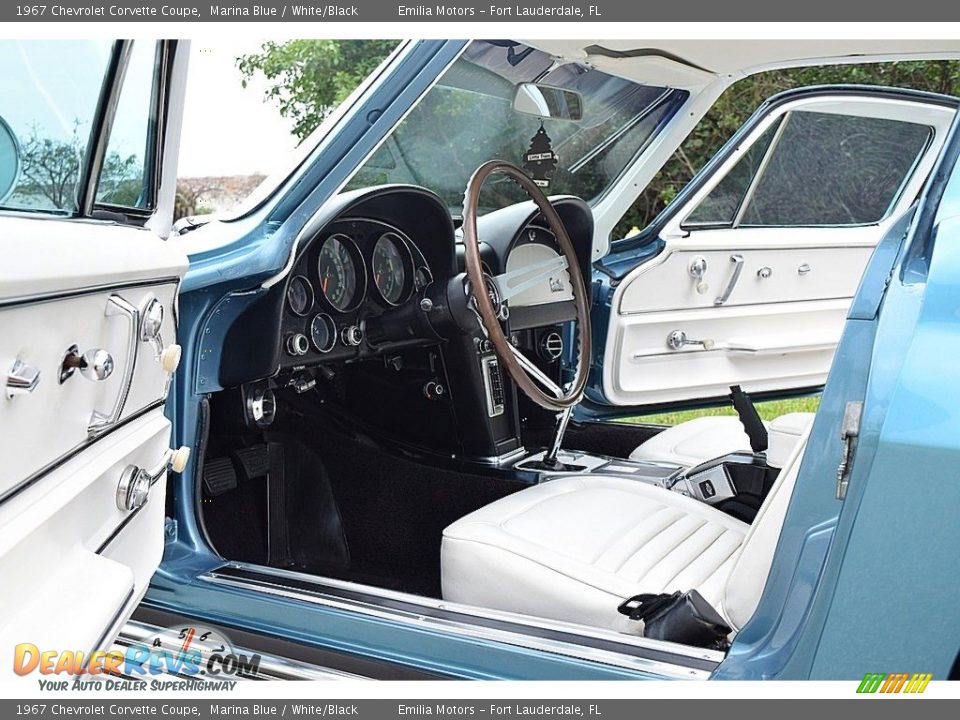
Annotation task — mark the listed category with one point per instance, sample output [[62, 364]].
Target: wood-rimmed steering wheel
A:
[[523, 371]]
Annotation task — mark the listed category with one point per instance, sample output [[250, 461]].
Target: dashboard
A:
[[374, 319], [353, 270]]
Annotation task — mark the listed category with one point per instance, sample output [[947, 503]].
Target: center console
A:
[[735, 484]]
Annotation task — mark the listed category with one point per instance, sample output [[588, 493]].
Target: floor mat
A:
[[394, 510]]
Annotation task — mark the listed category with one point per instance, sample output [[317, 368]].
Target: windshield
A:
[[468, 118]]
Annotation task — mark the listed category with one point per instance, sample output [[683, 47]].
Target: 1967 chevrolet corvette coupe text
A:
[[366, 424]]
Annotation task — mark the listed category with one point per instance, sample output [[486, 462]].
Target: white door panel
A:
[[768, 274], [82, 488], [763, 257], [39, 333], [78, 561], [777, 346]]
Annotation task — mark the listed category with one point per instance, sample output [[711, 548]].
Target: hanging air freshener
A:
[[540, 160]]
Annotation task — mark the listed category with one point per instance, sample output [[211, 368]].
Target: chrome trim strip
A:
[[477, 631], [761, 169], [272, 667], [88, 290]]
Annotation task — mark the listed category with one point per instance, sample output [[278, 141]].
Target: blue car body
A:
[[868, 581]]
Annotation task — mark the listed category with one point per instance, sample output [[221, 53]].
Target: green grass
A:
[[768, 411]]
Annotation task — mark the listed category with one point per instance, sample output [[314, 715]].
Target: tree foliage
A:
[[309, 78], [50, 172]]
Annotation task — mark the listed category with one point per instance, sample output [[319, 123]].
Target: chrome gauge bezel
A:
[[359, 269], [311, 294], [406, 257], [331, 327]]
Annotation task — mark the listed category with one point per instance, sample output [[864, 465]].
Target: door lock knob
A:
[[95, 364]]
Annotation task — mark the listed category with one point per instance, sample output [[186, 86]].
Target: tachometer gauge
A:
[[323, 332], [389, 268], [338, 271], [300, 295]]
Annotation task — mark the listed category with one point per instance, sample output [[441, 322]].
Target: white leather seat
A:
[[695, 441], [574, 548]]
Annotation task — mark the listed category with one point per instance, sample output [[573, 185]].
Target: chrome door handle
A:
[[737, 261], [99, 421], [22, 379], [677, 340]]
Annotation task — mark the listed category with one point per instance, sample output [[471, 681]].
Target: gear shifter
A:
[[550, 461]]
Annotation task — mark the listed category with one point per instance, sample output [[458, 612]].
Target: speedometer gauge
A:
[[389, 268], [337, 270]]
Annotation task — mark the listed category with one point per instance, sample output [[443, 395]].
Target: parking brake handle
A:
[[749, 418]]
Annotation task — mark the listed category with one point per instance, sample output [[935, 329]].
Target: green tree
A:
[[309, 78]]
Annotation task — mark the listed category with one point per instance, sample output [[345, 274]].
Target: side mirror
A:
[[548, 102], [9, 160]]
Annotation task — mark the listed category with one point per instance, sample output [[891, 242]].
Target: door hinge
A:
[[849, 434]]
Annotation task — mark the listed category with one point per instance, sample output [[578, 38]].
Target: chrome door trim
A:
[[476, 623]]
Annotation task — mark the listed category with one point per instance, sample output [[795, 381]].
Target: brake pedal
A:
[[252, 462], [219, 476]]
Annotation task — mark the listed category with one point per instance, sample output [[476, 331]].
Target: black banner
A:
[[467, 709], [79, 11]]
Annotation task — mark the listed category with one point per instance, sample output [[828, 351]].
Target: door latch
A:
[[849, 435]]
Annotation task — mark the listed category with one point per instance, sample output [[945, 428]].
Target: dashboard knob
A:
[[352, 335], [297, 344]]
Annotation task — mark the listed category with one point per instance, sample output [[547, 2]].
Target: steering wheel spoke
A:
[[536, 373]]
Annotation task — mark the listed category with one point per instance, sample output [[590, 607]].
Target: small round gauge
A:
[[389, 268], [300, 295], [422, 278], [337, 269], [323, 332]]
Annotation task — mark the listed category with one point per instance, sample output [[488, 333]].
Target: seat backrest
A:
[[749, 575]]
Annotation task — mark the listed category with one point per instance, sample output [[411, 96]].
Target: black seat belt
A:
[[749, 418]]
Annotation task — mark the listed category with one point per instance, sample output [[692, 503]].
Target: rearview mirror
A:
[[548, 102], [9, 160]]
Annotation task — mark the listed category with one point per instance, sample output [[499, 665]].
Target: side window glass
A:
[[831, 169], [719, 208], [47, 110], [816, 169], [126, 177]]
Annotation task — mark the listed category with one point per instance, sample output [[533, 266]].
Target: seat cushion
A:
[[573, 549], [695, 441]]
